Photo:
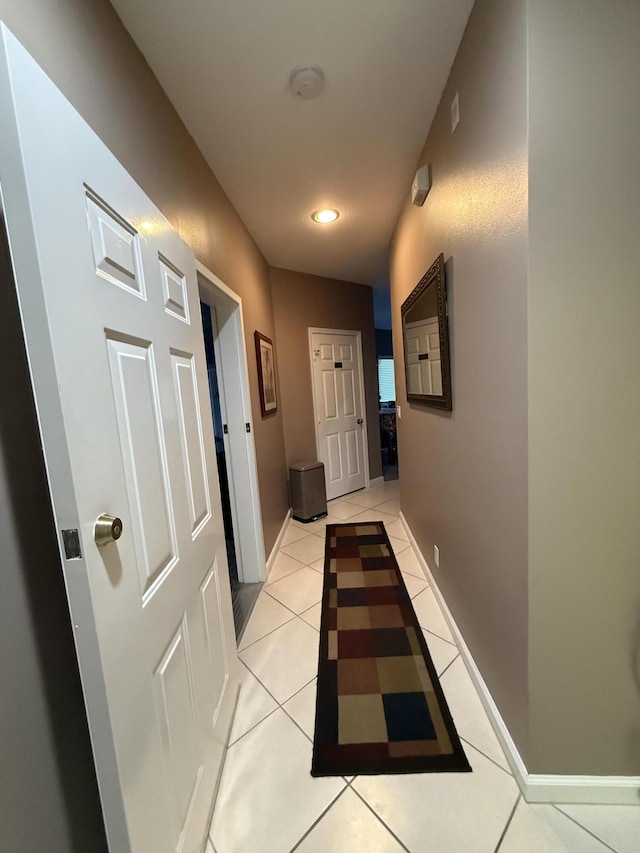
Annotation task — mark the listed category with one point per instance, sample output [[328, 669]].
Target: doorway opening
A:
[[218, 435], [228, 381], [387, 414]]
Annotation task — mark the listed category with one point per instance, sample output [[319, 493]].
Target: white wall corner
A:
[[278, 543], [611, 790]]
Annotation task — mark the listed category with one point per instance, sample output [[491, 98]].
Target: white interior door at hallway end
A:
[[339, 408], [422, 354], [109, 299]]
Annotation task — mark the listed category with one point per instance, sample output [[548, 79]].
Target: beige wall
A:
[[464, 474], [584, 386], [83, 47], [302, 301], [531, 487]]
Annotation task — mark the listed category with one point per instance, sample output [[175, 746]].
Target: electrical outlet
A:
[[455, 112], [436, 556]]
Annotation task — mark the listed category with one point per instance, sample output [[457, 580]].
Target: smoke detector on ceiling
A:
[[307, 82]]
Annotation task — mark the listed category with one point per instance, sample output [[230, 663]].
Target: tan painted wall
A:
[[464, 474], [584, 386], [301, 301], [83, 47]]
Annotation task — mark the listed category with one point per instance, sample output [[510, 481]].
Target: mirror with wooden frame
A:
[[425, 334]]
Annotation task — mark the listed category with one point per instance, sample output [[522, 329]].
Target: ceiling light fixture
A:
[[324, 216]]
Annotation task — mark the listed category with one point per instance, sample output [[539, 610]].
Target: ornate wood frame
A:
[[435, 275]]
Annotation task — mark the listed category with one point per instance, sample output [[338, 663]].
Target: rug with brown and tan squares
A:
[[380, 707]]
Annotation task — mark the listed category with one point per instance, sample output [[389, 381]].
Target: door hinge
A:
[[225, 429], [247, 427]]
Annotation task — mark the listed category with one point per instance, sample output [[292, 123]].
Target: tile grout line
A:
[[273, 630], [255, 726], [556, 806], [264, 685], [440, 638], [317, 821], [430, 630], [377, 816], [277, 600], [440, 674], [488, 757], [295, 723], [279, 704], [508, 823], [286, 605], [284, 577], [270, 694]]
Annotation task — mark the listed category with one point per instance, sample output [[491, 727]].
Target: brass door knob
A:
[[107, 529]]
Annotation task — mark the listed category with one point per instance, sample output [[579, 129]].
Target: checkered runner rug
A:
[[380, 707]]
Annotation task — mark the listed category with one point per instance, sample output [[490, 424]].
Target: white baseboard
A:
[[610, 790], [278, 542], [536, 788], [377, 481]]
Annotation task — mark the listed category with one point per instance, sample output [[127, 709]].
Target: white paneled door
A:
[[422, 352], [336, 362], [109, 299]]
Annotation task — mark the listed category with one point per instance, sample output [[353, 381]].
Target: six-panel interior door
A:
[[339, 411], [422, 352], [121, 298]]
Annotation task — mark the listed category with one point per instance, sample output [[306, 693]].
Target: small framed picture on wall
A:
[[266, 374]]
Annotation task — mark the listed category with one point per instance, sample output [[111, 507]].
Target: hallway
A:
[[267, 800]]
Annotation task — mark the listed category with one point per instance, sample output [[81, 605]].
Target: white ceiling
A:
[[225, 65]]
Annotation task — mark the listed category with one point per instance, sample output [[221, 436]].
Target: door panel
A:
[[144, 455], [215, 641], [348, 392], [174, 290], [116, 246], [177, 714], [334, 457], [128, 414], [336, 371], [193, 459], [353, 462], [330, 407]]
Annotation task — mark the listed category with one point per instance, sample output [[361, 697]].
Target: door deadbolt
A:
[[360, 420], [107, 529]]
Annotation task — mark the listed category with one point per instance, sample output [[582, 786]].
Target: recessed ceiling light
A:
[[325, 215]]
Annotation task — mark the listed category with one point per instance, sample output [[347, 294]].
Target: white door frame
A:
[[233, 375], [363, 400]]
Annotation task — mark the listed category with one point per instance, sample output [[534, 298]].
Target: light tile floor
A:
[[269, 803]]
